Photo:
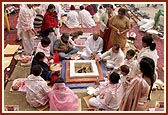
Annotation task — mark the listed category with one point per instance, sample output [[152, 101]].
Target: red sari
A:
[[49, 21], [106, 36]]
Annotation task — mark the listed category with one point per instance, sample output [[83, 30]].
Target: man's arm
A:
[[105, 53], [100, 45]]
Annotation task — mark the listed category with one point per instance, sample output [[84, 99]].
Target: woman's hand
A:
[[118, 32]]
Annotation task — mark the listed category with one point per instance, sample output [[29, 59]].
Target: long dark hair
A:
[[149, 42], [147, 67]]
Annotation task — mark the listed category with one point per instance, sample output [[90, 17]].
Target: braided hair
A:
[[147, 67]]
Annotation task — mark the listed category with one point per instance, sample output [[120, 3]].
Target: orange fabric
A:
[[101, 34], [131, 96], [135, 97], [121, 24]]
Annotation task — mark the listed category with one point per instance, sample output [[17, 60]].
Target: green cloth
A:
[[157, 18]]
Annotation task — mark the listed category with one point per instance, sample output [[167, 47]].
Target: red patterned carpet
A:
[[10, 37]]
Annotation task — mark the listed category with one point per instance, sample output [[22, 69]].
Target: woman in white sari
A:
[[148, 50]]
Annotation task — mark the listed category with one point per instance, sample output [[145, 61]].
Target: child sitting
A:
[[62, 98], [47, 74], [36, 88], [44, 46], [125, 79], [129, 59]]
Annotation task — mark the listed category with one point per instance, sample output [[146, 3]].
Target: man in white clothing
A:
[[26, 28], [108, 95], [85, 19], [36, 88], [113, 58], [72, 18], [94, 46]]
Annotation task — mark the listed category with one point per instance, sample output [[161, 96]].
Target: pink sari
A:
[[61, 98], [135, 94]]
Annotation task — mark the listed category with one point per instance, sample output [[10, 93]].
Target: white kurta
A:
[[98, 14], [130, 63], [72, 19], [45, 50], [25, 26], [36, 91], [52, 38], [85, 19], [109, 97], [114, 60], [92, 46], [145, 52]]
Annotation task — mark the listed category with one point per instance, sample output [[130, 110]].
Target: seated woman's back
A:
[[62, 98]]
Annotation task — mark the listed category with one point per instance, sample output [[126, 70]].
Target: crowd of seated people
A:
[[130, 77]]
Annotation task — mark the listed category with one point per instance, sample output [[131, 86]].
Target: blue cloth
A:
[[79, 85]]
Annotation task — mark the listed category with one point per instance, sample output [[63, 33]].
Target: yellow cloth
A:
[[11, 49], [7, 61], [121, 24], [42, 108], [7, 21], [86, 99], [80, 106]]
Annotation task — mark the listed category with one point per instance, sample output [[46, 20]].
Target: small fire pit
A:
[[83, 68]]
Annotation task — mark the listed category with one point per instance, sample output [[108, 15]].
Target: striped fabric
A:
[[38, 21]]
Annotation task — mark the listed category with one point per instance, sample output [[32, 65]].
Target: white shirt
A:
[[112, 95], [146, 52], [116, 59], [36, 91], [45, 50], [85, 19], [130, 63], [93, 46], [26, 18], [72, 19]]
